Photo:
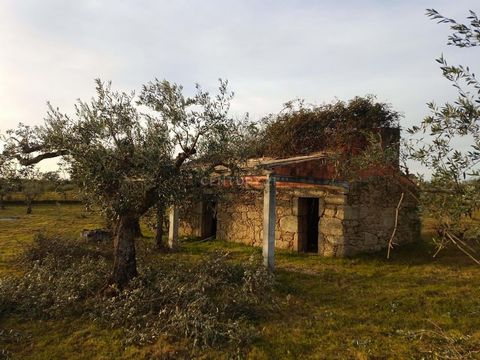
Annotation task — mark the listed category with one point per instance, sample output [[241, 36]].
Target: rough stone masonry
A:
[[355, 219]]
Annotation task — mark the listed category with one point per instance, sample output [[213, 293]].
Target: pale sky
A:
[[270, 51]]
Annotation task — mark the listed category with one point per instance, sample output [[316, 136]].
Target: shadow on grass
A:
[[418, 253]]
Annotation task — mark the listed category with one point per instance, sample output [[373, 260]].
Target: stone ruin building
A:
[[299, 203]]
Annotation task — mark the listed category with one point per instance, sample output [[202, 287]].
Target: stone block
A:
[[295, 207], [289, 223], [329, 212], [330, 226], [295, 242], [347, 212], [331, 250], [371, 240], [326, 249], [333, 199], [388, 217], [335, 239]]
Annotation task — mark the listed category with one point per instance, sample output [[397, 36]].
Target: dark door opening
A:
[[209, 219], [308, 217]]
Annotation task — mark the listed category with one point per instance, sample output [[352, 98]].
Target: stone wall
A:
[[240, 216], [190, 220], [331, 240], [369, 217], [354, 220]]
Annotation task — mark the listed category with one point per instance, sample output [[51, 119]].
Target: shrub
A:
[[50, 289], [211, 302], [64, 251]]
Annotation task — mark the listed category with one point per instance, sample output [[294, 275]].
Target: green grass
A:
[[410, 306], [63, 219]]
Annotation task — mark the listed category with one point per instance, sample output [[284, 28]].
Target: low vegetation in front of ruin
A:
[[209, 298]]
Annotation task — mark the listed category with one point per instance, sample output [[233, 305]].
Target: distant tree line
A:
[[29, 185]]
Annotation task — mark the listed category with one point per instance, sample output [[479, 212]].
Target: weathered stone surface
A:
[[330, 226], [329, 212], [289, 223], [347, 212], [388, 218], [333, 199], [334, 239], [371, 239], [354, 221]]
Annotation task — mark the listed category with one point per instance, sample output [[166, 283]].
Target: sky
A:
[[271, 51]]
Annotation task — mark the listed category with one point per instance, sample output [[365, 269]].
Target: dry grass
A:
[[411, 306]]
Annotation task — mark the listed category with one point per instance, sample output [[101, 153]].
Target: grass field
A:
[[366, 307]]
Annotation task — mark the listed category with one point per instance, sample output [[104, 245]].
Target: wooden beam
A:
[[271, 163], [307, 180]]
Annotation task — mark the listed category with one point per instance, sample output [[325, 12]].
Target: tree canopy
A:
[[128, 153], [447, 143]]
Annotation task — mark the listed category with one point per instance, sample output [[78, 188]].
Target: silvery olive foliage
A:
[[129, 153], [447, 143], [107, 146], [8, 178], [212, 302], [59, 274]]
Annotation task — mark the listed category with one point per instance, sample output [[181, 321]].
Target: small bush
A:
[[48, 290], [64, 251]]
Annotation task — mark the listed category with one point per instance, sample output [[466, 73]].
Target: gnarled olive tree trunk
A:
[[29, 206], [125, 264], [159, 231], [137, 229]]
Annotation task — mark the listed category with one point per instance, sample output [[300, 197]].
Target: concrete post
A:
[[173, 227], [269, 222]]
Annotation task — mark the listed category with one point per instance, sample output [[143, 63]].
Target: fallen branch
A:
[[392, 237], [457, 244]]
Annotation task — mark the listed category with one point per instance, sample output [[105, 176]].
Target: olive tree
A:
[[129, 153], [8, 179], [31, 184], [447, 143], [53, 182]]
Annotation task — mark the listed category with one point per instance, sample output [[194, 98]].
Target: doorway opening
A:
[[308, 218], [209, 219]]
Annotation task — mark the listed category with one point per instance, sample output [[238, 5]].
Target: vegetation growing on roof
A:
[[302, 129]]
